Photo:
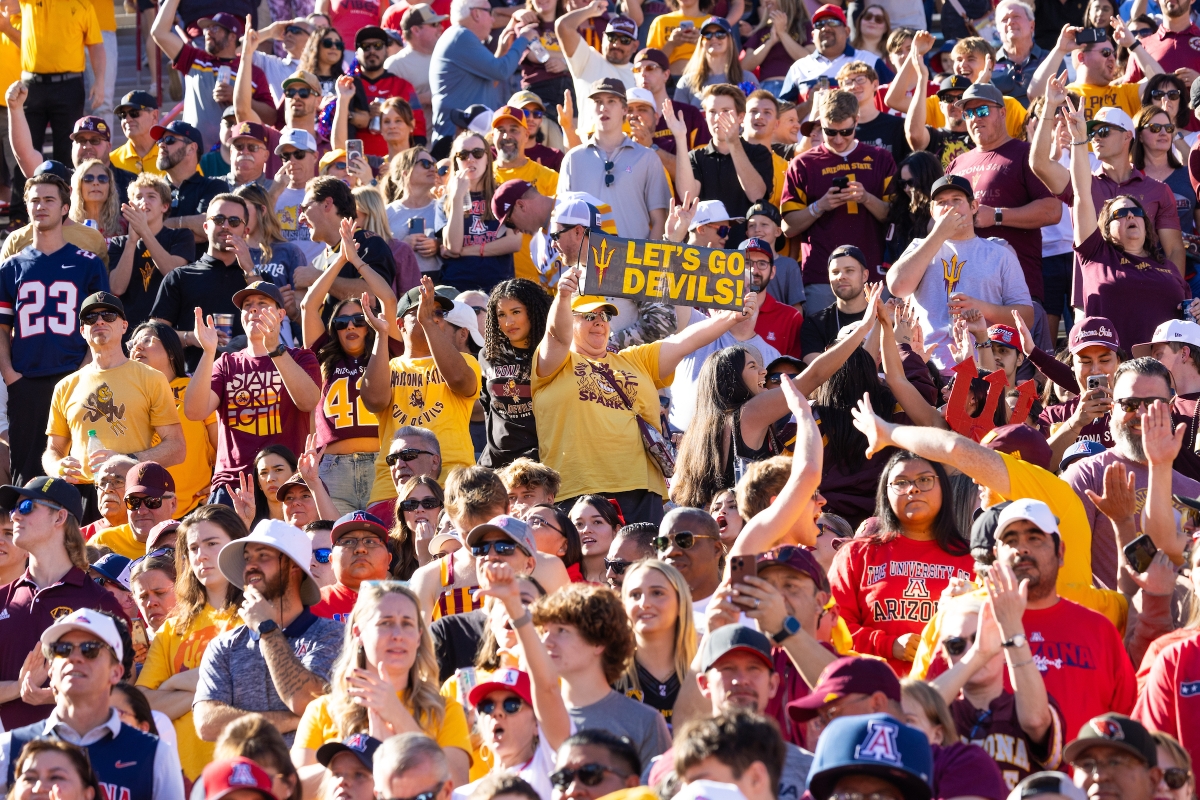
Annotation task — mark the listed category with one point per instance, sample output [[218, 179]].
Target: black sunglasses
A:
[[618, 566], [511, 705], [588, 775], [554, 236], [336, 44], [608, 175], [1176, 777], [89, 649], [303, 91], [619, 38], [715, 35], [1122, 213], [90, 317], [684, 540], [845, 132], [405, 455], [295, 30], [159, 552], [957, 645], [132, 113], [502, 548], [477, 153], [101, 178], [340, 323], [221, 219], [430, 795], [442, 170], [1170, 94], [134, 503], [425, 163], [298, 155], [372, 46], [428, 503]]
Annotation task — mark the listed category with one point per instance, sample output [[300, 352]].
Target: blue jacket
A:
[[463, 71]]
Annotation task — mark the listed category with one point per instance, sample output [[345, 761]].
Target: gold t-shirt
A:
[[1125, 96], [120, 540], [194, 476], [54, 35], [1014, 115]]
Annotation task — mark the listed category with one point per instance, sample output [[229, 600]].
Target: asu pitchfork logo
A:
[[602, 258]]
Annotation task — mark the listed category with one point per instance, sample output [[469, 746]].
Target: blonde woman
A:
[[373, 217], [397, 690], [206, 605], [715, 60], [408, 189], [659, 604], [94, 198]]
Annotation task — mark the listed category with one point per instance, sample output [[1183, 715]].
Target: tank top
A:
[[454, 600]]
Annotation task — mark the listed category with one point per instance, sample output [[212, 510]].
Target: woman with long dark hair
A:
[[1154, 153], [273, 465], [555, 534], [1168, 92], [909, 217], [597, 519], [322, 57], [515, 322], [885, 611], [418, 503]]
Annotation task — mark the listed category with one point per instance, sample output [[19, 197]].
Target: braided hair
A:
[[497, 349]]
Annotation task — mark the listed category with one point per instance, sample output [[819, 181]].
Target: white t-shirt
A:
[[412, 67], [587, 66], [536, 772]]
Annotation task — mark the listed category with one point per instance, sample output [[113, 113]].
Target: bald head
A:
[[693, 546]]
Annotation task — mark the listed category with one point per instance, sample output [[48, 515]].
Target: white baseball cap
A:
[[441, 540], [710, 790], [463, 316], [1047, 784], [639, 95], [297, 138], [708, 211], [1173, 330], [287, 539], [1030, 510], [574, 211], [1109, 115], [89, 621]]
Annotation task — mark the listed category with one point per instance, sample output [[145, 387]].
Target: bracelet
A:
[[1022, 664], [1076, 144], [813, 210], [521, 621], [1136, 44]]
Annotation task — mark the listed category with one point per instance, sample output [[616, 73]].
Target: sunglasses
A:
[[442, 170], [102, 581], [871, 18], [621, 39], [430, 795], [554, 235], [722, 231], [511, 705], [101, 179], [535, 113], [1105, 52], [1159, 94], [295, 30], [618, 566], [1122, 213], [608, 173], [221, 220], [1131, 404], [368, 47], [588, 775], [843, 132], [719, 35], [89, 649], [333, 43], [1141, 33], [774, 378], [502, 548], [477, 153], [1176, 777], [303, 92], [979, 112], [134, 503], [322, 554], [25, 507], [425, 163], [684, 540], [160, 552], [132, 113], [298, 155], [337, 165], [428, 503], [957, 645], [592, 316], [405, 455], [167, 140], [348, 321], [90, 317], [827, 23], [1159, 127], [248, 148]]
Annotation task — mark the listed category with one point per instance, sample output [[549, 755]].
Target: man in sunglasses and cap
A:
[[86, 660], [150, 499], [180, 146], [585, 64], [281, 658], [138, 112], [421, 27], [413, 451], [373, 85], [946, 142], [123, 404]]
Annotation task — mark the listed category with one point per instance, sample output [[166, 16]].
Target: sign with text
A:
[[665, 272]]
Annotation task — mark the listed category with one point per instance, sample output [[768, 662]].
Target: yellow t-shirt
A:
[[125, 157], [421, 397], [781, 166], [194, 476], [546, 182], [123, 405], [576, 411], [121, 541], [661, 28], [106, 14], [10, 61], [1124, 96], [1014, 115], [173, 651], [53, 35], [81, 236], [317, 726]]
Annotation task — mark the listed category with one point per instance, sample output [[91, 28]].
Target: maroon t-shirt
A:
[[778, 61], [997, 729], [546, 156], [1096, 430], [254, 410], [341, 414], [966, 770], [1171, 50], [28, 612], [697, 127], [1135, 293], [1002, 178]]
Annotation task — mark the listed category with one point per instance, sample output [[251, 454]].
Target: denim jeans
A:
[[348, 479]]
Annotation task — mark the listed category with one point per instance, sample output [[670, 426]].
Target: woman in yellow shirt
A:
[[385, 680], [206, 606]]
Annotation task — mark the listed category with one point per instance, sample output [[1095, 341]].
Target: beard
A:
[[509, 148], [1041, 583], [847, 294], [166, 160], [274, 588], [1127, 442]]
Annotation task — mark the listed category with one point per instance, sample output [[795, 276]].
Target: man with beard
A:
[[1170, 45], [848, 275], [778, 324], [701, 563], [833, 52], [248, 141], [373, 85], [208, 73], [179, 149], [510, 137], [138, 113], [1136, 384], [588, 66], [254, 667]]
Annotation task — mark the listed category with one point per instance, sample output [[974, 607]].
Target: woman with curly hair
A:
[[515, 322], [418, 503], [94, 198], [386, 631], [323, 56]]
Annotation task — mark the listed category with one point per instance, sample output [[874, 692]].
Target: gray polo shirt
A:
[[315, 641], [639, 183]]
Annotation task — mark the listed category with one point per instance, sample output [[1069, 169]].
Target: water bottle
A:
[[374, 124], [91, 223], [540, 53], [93, 446]]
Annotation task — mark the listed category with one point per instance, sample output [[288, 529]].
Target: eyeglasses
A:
[[827, 23], [1159, 127], [1133, 211], [957, 645], [89, 649], [502, 548], [248, 148], [871, 18], [25, 507], [857, 80], [588, 775], [618, 566], [322, 554], [160, 552], [298, 155], [1090, 766], [367, 47], [427, 503], [902, 485], [109, 483], [538, 522], [336, 44], [134, 503], [608, 173], [1159, 94], [1130, 405], [430, 795], [425, 163], [102, 178], [132, 113], [295, 30], [979, 112], [477, 153], [592, 316], [220, 220], [835, 132], [405, 455], [90, 317], [302, 92], [623, 40], [344, 321], [353, 543], [684, 540], [511, 705], [1176, 777], [718, 34]]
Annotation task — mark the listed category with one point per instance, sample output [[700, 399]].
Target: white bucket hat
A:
[[287, 539]]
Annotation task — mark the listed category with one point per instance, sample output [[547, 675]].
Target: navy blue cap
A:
[[135, 100], [758, 246], [872, 744], [55, 168], [358, 521], [115, 567], [728, 638], [179, 128], [1081, 449], [51, 490], [362, 745], [720, 22]]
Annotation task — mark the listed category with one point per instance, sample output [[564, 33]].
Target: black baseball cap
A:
[[55, 168], [850, 251], [1114, 730], [983, 533], [949, 182], [444, 295], [765, 209], [102, 300], [608, 86], [368, 32], [135, 100], [952, 83], [265, 288], [179, 128], [51, 490]]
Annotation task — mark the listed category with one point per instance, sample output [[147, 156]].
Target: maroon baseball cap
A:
[[506, 196], [653, 54], [222, 778], [95, 125], [249, 130], [229, 22], [846, 676], [149, 478], [1021, 442], [1091, 331], [798, 558]]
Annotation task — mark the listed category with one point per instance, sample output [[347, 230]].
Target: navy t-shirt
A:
[[138, 297]]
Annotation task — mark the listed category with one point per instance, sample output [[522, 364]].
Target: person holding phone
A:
[[408, 188]]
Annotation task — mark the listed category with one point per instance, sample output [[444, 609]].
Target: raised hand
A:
[[566, 110], [1076, 121], [346, 230], [923, 42], [16, 94], [1056, 90], [309, 463], [243, 499], [1159, 577], [1027, 344], [205, 332], [376, 321], [344, 86], [251, 38], [1119, 501], [1121, 34], [1066, 38], [989, 65], [675, 122], [568, 283], [1008, 597], [679, 217], [1161, 438], [498, 580]]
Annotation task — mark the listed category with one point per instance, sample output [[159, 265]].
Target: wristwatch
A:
[[999, 216], [266, 626], [791, 626], [278, 351], [1017, 641]]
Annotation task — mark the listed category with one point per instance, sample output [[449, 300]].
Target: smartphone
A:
[[1091, 36], [823, 83], [1140, 552], [1097, 381], [354, 148], [416, 225], [362, 657], [841, 183], [687, 24], [741, 567]]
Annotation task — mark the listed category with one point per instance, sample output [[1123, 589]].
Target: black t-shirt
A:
[[207, 283], [887, 132], [948, 145], [192, 197], [456, 641], [146, 278], [373, 250], [820, 330], [719, 181], [508, 407]]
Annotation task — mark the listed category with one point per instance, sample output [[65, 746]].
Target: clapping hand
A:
[[138, 223], [376, 321], [349, 251]]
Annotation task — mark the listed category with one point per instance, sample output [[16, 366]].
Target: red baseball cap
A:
[[829, 10], [1006, 335], [510, 680], [846, 676], [221, 778]]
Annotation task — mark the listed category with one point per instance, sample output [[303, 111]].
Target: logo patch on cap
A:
[[358, 742], [1109, 729], [880, 743], [241, 775], [1189, 689], [509, 677], [100, 126]]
